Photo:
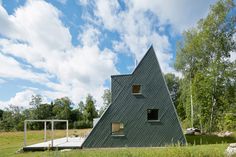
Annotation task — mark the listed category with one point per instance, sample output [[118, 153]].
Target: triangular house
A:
[[141, 113]]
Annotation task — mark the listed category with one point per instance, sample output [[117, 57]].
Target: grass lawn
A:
[[209, 139], [10, 142]]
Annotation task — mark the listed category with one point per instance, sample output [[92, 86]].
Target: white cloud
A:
[[181, 14], [135, 29], [37, 28], [10, 68], [37, 36], [139, 24], [90, 36], [21, 99]]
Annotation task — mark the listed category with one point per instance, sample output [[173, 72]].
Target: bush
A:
[[229, 121], [83, 124]]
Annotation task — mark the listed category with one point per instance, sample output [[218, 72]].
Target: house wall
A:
[[131, 110]]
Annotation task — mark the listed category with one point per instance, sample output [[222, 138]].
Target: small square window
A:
[[136, 89], [117, 128], [152, 114]]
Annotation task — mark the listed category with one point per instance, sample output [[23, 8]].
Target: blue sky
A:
[[70, 48]]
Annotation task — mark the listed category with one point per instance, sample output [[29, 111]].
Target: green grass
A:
[[10, 142], [194, 151], [209, 139]]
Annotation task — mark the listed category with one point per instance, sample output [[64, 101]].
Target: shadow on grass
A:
[[208, 139]]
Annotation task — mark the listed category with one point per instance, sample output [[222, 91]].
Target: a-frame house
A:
[[141, 114]]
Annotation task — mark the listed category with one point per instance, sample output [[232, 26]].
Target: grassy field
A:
[[10, 142]]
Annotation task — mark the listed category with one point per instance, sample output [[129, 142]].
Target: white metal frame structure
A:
[[45, 129]]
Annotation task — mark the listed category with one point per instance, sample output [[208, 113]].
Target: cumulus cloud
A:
[[180, 14], [35, 39], [135, 29], [38, 37], [141, 23], [22, 99], [10, 68]]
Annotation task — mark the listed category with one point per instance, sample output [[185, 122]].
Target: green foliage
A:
[[12, 119], [82, 124], [173, 85], [81, 106], [90, 110], [183, 107], [228, 122], [43, 111], [1, 113], [209, 75], [76, 115], [106, 101], [208, 139], [210, 150], [36, 100], [61, 108], [89, 113]]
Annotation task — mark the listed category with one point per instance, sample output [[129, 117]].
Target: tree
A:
[[106, 101], [76, 115], [36, 100], [12, 119], [173, 85], [1, 113], [81, 106], [203, 58], [43, 111], [90, 110], [62, 108]]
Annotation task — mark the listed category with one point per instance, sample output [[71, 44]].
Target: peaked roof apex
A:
[[150, 50]]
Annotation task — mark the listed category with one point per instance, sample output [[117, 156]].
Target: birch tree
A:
[[203, 57]]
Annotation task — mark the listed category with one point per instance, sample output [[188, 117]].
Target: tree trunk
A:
[[213, 103], [212, 112], [191, 102]]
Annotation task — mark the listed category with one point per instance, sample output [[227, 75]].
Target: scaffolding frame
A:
[[45, 129]]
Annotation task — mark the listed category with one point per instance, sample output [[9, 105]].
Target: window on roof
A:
[[136, 89], [117, 128], [152, 114]]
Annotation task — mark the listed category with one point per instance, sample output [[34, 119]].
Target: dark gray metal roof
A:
[[131, 110]]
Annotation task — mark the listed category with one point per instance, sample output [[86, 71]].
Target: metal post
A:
[[67, 131], [25, 129], [45, 131], [52, 123]]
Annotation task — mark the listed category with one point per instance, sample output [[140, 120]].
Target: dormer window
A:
[[136, 89]]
